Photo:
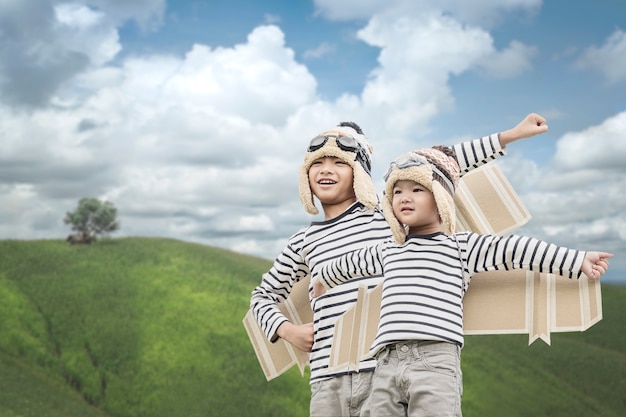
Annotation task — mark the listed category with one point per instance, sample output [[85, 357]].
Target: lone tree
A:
[[92, 217]]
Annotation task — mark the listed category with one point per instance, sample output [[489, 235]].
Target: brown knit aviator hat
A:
[[348, 143], [434, 168]]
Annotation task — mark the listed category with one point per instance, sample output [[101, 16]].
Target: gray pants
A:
[[417, 379], [342, 396]]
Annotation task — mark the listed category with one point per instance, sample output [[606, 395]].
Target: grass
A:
[[147, 327], [25, 392], [141, 327]]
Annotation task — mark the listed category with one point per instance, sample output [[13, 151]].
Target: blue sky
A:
[[191, 116]]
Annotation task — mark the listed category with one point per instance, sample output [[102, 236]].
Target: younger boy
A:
[[427, 268], [337, 170]]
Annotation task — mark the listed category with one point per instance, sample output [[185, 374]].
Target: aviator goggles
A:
[[345, 143], [411, 159]]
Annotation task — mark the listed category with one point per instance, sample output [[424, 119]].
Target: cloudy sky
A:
[[192, 116]]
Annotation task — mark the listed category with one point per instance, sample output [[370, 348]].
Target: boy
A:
[[427, 268], [336, 170]]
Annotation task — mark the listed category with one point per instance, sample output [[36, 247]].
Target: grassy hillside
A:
[[141, 327], [137, 327]]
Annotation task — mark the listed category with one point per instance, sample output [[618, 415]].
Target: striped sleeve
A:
[[276, 285], [364, 262], [477, 152], [489, 253]]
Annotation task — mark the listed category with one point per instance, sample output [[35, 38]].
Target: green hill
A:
[[146, 327]]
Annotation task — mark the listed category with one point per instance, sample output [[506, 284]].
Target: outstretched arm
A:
[[595, 264], [532, 125], [362, 262]]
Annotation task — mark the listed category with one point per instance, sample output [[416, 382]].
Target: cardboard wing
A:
[[520, 302], [498, 302], [276, 358], [356, 329], [486, 203]]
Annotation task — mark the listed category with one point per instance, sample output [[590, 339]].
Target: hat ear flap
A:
[[306, 195], [364, 187], [446, 208], [397, 230]]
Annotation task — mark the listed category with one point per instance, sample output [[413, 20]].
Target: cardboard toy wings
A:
[[499, 302]]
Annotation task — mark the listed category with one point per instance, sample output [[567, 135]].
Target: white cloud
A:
[[584, 182], [608, 60], [271, 19], [259, 81], [512, 61], [599, 147], [148, 14], [85, 30], [258, 223], [487, 13], [419, 54], [578, 200], [48, 43], [322, 49]]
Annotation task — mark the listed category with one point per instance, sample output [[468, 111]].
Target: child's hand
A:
[[532, 125], [595, 264], [317, 288], [299, 336]]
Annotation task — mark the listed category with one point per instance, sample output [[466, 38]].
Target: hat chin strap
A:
[[446, 208], [364, 187], [306, 195]]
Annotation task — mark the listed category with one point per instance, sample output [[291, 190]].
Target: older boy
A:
[[337, 170]]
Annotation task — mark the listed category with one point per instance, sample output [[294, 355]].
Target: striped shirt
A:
[[356, 228], [424, 282]]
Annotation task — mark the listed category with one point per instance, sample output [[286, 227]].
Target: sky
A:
[[192, 117]]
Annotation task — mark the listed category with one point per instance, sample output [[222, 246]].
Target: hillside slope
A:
[[141, 327], [146, 327]]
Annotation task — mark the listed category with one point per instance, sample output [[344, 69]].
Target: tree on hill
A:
[[92, 217]]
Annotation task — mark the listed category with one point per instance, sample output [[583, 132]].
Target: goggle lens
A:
[[345, 143]]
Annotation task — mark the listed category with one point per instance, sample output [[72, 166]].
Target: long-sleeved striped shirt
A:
[[424, 283], [356, 228]]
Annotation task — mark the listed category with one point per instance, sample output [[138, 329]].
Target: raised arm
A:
[[475, 153]]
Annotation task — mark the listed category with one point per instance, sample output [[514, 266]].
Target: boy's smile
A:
[[325, 181]]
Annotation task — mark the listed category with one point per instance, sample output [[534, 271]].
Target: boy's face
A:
[[331, 181], [414, 205]]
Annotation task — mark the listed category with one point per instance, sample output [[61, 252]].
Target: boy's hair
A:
[[434, 168], [347, 142]]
